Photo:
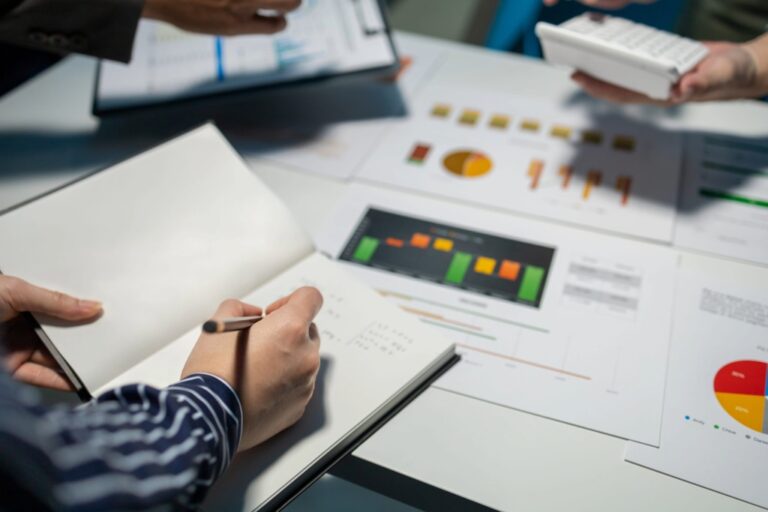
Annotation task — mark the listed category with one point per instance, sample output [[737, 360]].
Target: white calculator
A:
[[621, 52]]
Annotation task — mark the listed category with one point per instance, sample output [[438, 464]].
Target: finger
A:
[[256, 24], [610, 92], [278, 304], [42, 376], [23, 296], [233, 308], [256, 6], [42, 357], [304, 303]]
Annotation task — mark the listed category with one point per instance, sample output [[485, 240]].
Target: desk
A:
[[498, 457]]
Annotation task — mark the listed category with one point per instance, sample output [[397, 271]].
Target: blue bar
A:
[[219, 59]]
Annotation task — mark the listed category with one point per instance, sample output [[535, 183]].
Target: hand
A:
[[272, 366], [20, 349], [605, 4], [730, 71], [222, 17]]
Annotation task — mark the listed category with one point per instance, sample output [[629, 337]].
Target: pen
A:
[[230, 324]]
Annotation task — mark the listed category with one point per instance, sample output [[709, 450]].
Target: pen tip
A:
[[210, 326]]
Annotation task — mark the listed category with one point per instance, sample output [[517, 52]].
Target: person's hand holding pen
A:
[[20, 349], [272, 365], [222, 17]]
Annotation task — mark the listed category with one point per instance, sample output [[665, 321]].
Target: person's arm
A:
[[106, 28], [102, 28], [133, 448], [137, 446]]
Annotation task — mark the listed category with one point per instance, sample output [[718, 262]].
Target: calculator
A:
[[621, 52]]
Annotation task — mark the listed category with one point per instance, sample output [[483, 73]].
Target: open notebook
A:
[[164, 237]]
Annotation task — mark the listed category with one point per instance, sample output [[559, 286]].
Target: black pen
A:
[[230, 324]]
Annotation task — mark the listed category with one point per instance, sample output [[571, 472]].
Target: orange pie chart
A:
[[467, 164]]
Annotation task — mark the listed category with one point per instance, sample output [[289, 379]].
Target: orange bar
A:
[[535, 169], [394, 242], [509, 270], [623, 185], [565, 172], [420, 240], [593, 180]]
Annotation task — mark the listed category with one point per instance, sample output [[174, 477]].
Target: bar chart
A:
[[503, 268], [521, 155]]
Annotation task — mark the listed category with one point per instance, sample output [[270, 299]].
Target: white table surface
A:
[[496, 456]]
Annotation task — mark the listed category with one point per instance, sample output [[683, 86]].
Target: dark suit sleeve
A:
[[102, 28]]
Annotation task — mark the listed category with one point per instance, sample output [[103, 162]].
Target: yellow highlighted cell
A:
[[485, 265], [499, 121], [443, 244], [441, 110], [561, 132], [592, 137], [624, 143], [469, 117], [530, 125]]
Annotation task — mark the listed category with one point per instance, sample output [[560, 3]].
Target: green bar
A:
[[365, 249], [717, 194], [529, 288], [458, 268]]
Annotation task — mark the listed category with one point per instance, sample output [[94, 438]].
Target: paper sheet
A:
[[323, 37], [724, 204], [715, 430], [160, 239], [370, 353], [552, 320], [604, 172]]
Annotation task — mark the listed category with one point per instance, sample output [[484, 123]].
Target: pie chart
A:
[[467, 163], [741, 387]]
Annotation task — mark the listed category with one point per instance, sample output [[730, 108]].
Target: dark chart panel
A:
[[490, 265]]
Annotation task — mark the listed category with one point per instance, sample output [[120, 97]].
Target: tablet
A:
[[324, 38]]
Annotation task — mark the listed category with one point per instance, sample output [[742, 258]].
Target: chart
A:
[[522, 155], [499, 267], [741, 388], [557, 321], [724, 204]]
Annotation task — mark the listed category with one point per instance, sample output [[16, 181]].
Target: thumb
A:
[[22, 296]]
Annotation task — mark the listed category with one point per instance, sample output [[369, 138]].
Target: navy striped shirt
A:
[[132, 448]]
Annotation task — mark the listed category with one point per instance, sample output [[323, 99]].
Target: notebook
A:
[[162, 239]]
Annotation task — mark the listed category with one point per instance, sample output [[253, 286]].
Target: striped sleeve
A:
[[132, 448]]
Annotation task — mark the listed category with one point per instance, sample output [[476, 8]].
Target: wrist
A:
[[758, 52]]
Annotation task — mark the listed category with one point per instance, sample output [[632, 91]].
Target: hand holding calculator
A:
[[621, 52]]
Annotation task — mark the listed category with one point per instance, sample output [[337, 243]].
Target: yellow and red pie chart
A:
[[741, 388], [467, 163]]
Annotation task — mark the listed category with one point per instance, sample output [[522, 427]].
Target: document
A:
[[323, 38], [552, 320], [724, 202], [333, 129], [600, 171], [162, 239], [715, 429]]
